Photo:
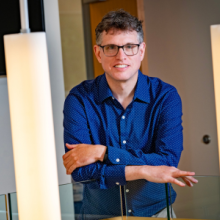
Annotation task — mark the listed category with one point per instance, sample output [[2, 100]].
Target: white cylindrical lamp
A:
[[215, 43], [32, 126]]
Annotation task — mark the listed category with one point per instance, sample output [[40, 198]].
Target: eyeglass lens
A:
[[112, 50]]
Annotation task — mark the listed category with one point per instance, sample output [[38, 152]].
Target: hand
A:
[[189, 180], [82, 155], [165, 174]]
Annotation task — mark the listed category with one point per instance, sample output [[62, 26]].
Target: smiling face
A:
[[120, 68]]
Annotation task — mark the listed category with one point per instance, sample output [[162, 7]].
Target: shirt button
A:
[[117, 160], [129, 210], [124, 142], [117, 183], [127, 190], [123, 117]]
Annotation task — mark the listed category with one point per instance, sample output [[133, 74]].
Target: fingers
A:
[[187, 181], [70, 146], [180, 173], [186, 176], [71, 169], [192, 179], [67, 161], [70, 165], [177, 182], [66, 155]]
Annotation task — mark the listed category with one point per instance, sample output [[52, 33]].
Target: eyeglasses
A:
[[111, 50]]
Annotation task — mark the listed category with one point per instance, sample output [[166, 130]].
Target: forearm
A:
[[89, 172], [133, 173], [159, 174], [106, 176], [136, 157], [142, 172]]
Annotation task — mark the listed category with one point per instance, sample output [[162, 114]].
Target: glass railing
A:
[[66, 203], [202, 201], [96, 203], [73, 205], [137, 200], [13, 206], [3, 207]]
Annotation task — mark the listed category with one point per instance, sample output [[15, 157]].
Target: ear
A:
[[142, 50], [97, 52]]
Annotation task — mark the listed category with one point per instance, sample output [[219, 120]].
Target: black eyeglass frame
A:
[[119, 48]]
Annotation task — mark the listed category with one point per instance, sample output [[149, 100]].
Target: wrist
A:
[[134, 173], [145, 171]]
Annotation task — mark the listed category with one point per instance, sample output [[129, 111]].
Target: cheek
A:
[[137, 63], [106, 64]]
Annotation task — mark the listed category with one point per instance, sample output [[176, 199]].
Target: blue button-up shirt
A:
[[147, 132]]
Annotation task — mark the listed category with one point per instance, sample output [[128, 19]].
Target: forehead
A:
[[119, 37]]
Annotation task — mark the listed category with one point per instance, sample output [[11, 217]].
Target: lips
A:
[[121, 66]]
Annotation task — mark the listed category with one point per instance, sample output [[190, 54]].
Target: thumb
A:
[[70, 146]]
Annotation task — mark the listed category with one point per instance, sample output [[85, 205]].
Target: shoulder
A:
[[159, 91], [166, 94], [159, 86]]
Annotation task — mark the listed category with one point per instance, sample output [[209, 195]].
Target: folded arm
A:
[[84, 160], [167, 144]]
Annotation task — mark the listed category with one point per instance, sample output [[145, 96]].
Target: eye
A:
[[130, 46], [110, 47]]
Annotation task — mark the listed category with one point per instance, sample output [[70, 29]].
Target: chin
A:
[[125, 77], [122, 79], [121, 76]]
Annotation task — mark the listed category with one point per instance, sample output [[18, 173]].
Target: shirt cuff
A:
[[117, 156], [114, 175], [124, 157]]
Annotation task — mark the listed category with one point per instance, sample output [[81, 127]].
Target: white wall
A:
[[52, 24]]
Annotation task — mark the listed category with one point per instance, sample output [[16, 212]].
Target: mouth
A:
[[121, 66]]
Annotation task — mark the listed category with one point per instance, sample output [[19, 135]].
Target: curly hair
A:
[[119, 20]]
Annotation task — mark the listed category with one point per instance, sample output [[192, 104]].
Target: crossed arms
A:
[[83, 154], [85, 161]]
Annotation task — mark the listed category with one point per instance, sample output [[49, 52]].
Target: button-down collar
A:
[[142, 88], [141, 91], [104, 90]]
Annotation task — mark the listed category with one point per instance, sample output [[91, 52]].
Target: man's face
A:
[[120, 67]]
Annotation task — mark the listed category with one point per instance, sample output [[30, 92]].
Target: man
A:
[[123, 126]]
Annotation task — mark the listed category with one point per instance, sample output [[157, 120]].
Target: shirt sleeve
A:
[[168, 141], [76, 130]]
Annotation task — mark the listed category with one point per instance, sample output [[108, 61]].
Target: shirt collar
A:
[[104, 90], [141, 91], [142, 88]]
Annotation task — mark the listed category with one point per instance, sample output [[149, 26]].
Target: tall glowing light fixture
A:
[[32, 123], [215, 42]]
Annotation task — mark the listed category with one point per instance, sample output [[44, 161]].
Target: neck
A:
[[123, 91]]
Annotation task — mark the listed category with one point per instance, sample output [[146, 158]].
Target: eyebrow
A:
[[123, 44]]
